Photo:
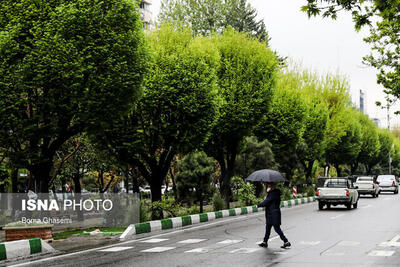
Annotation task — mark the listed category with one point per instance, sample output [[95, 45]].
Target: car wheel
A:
[[328, 206], [355, 205], [348, 206], [320, 205]]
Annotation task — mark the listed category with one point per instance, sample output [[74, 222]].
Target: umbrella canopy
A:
[[266, 175]]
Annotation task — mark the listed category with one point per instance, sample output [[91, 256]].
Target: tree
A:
[[384, 35], [283, 125], [178, 107], [205, 17], [246, 79], [349, 145], [66, 67], [195, 175], [386, 141], [254, 155], [370, 146]]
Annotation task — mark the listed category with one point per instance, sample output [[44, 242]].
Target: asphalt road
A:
[[367, 236]]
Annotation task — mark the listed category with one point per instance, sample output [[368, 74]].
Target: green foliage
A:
[[194, 176], [283, 125], [218, 201], [246, 79], [144, 211], [207, 16], [255, 155], [245, 192], [167, 205], [64, 69]]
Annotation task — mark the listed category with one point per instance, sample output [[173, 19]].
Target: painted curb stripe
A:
[[186, 220], [249, 209], [143, 227], [36, 245], [155, 225], [232, 212], [225, 213], [166, 224], [176, 222], [3, 254], [211, 216], [203, 217], [195, 218], [218, 214]]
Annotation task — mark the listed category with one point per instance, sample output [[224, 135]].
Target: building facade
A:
[[145, 13]]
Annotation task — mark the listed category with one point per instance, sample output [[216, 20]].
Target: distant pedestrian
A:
[[272, 204]]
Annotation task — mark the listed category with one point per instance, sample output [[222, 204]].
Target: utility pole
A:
[[388, 125]]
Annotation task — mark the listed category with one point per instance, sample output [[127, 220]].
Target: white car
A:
[[337, 191], [367, 186], [388, 183]]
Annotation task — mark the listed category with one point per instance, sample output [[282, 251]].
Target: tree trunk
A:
[[14, 180], [174, 189], [41, 174], [353, 168], [339, 172], [78, 197], [308, 166]]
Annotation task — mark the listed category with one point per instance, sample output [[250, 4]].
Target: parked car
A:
[[367, 186], [337, 191], [388, 183]]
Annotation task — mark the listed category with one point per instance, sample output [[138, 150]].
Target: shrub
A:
[[309, 191], [247, 194], [218, 201], [167, 205], [144, 212]]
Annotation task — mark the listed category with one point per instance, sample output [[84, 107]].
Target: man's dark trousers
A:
[[277, 229]]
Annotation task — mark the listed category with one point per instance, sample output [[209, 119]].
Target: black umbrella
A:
[[266, 175]]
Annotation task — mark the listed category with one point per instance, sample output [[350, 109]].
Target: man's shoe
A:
[[263, 244], [286, 245]]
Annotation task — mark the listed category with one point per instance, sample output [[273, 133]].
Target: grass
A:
[[66, 234]]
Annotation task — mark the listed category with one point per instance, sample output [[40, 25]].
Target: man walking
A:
[[272, 205]]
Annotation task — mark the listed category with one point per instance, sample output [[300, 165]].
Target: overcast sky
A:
[[324, 45]]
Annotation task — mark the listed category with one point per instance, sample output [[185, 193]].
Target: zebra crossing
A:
[[230, 246]]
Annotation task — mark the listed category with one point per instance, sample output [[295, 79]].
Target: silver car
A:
[[388, 183], [367, 186]]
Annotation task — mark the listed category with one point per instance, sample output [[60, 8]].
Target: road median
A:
[[178, 222], [23, 248]]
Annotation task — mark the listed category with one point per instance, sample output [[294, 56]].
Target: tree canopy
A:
[[64, 70]]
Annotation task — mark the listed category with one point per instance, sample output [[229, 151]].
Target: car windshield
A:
[[364, 179], [336, 183], [385, 178]]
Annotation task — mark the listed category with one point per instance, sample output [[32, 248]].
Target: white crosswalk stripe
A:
[[154, 240], [115, 249], [230, 241], [197, 250], [245, 250], [191, 241], [158, 249], [381, 253]]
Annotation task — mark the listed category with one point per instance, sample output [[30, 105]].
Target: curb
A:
[[177, 222], [23, 248]]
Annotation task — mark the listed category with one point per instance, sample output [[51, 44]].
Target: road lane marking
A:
[[366, 207], [115, 249], [310, 243], [230, 241], [191, 241], [381, 253], [157, 249], [154, 240], [197, 250], [338, 216], [392, 243], [245, 250]]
